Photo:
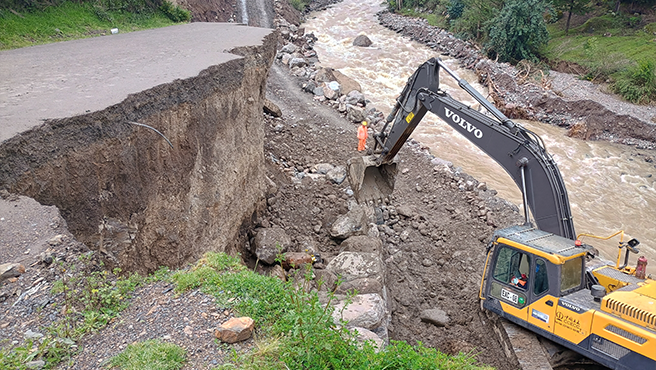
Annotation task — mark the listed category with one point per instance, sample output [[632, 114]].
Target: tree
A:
[[519, 30], [474, 19], [579, 7]]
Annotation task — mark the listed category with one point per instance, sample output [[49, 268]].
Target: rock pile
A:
[[328, 85]]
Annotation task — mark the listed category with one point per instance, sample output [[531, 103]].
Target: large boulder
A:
[[366, 335], [351, 266], [362, 243], [347, 83], [362, 41], [354, 97], [324, 75], [297, 62], [366, 311], [331, 90], [268, 243], [355, 113], [289, 48], [352, 223], [337, 175]]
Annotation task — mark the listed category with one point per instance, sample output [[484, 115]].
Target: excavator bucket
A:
[[369, 181]]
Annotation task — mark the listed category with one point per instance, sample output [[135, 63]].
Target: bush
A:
[[519, 31], [638, 84], [455, 8], [175, 13], [475, 19], [651, 28], [299, 5]]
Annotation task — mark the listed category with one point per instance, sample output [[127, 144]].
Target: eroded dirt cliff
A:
[[141, 202]]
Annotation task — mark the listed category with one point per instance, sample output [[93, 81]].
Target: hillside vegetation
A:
[[612, 42], [26, 23]]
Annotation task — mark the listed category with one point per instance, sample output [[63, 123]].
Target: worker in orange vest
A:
[[362, 136]]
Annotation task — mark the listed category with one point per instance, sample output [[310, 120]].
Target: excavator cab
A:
[[527, 271]]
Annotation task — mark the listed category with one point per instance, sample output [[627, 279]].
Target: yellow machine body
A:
[[617, 328]]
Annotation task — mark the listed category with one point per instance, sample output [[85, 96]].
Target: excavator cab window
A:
[[541, 284], [571, 275], [512, 267]]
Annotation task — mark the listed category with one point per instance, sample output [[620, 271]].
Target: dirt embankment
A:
[[604, 118], [129, 195]]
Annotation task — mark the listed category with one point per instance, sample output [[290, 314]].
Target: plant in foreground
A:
[[296, 329], [150, 355]]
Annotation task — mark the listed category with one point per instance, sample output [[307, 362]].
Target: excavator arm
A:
[[519, 151]]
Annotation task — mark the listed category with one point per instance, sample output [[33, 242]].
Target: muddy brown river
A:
[[609, 188]]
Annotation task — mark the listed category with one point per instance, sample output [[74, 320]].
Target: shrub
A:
[[638, 84], [475, 19], [175, 13], [651, 28], [299, 5], [519, 30], [455, 8]]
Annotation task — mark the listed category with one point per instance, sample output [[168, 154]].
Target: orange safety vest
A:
[[362, 133]]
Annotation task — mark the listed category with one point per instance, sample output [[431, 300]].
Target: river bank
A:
[[559, 99]]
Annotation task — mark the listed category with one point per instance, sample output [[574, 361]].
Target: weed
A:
[[638, 84], [295, 329], [175, 12], [150, 355], [299, 5], [91, 298]]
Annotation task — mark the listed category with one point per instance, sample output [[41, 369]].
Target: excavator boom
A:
[[540, 278], [519, 151]]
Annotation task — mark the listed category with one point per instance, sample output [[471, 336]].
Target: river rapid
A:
[[610, 188]]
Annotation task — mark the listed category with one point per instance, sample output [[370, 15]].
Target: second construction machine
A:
[[538, 275]]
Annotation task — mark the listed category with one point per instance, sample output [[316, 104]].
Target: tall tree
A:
[[519, 30], [579, 7]]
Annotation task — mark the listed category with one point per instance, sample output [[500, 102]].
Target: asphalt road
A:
[[76, 77]]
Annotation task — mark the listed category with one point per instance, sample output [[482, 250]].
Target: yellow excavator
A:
[[539, 275]]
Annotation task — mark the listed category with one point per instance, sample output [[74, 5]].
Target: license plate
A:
[[509, 296]]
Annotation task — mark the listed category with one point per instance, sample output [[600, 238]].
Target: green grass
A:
[[640, 46], [70, 21], [150, 355], [612, 49], [296, 331], [433, 19]]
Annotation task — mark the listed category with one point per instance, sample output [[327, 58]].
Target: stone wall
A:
[[126, 192]]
